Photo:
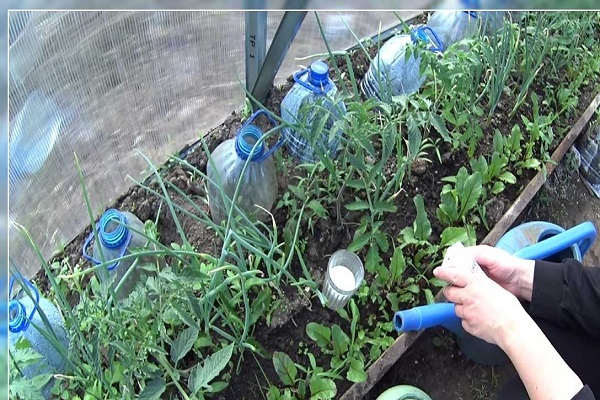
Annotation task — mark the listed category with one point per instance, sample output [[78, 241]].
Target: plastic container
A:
[[453, 26], [403, 392], [116, 240], [258, 185], [312, 97], [25, 321], [391, 73], [589, 155], [345, 273]]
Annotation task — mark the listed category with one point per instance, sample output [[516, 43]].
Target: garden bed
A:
[[399, 238]]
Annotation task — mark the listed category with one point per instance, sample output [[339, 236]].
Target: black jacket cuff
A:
[[547, 290]]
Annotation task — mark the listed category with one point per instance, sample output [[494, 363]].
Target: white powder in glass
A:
[[342, 278]]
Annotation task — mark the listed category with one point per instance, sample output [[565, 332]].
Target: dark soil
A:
[[424, 365]]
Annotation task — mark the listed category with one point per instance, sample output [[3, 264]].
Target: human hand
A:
[[487, 310], [512, 273]]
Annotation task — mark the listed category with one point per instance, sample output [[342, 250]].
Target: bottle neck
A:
[[17, 316], [245, 141], [113, 229]]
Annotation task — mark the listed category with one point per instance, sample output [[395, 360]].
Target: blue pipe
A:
[[423, 317]]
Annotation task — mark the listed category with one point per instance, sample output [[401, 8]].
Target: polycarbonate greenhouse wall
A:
[[105, 85]]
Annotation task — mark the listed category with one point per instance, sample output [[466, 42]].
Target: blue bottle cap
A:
[[245, 140], [319, 73], [116, 235], [17, 316]]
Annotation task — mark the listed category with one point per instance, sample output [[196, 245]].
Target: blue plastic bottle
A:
[[257, 184], [391, 73], [453, 26], [116, 240], [312, 97], [25, 321]]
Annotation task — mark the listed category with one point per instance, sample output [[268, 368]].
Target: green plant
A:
[[21, 387], [301, 382], [499, 52], [459, 196]]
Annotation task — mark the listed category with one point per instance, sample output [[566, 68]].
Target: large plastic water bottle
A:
[[25, 321], [589, 152], [391, 73], [453, 26], [225, 170], [312, 98], [115, 240]]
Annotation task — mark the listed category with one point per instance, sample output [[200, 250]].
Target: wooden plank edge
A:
[[389, 357]]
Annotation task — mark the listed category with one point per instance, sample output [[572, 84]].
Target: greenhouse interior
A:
[[251, 204]]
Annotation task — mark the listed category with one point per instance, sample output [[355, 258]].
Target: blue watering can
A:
[[536, 240]]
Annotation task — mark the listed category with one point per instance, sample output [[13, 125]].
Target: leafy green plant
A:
[[459, 196], [304, 383], [21, 387]]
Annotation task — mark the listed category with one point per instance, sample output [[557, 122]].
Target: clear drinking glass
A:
[[345, 273]]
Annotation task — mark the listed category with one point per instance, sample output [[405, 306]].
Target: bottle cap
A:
[[319, 73], [245, 140], [113, 233], [17, 316]]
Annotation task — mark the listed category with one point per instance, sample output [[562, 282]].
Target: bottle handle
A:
[[90, 258], [37, 299], [318, 90], [472, 14], [415, 35], [277, 145]]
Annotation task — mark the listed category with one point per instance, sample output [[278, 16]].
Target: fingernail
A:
[[435, 271]]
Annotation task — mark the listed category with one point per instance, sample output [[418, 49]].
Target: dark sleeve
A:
[[584, 394], [568, 294]]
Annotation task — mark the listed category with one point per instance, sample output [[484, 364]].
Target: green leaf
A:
[[440, 127], [470, 193], [153, 389], [498, 187], [448, 209], [340, 340], [358, 205], [437, 282], [285, 368], [532, 163], [212, 366], [394, 301], [384, 206], [421, 226], [23, 389], [218, 386], [415, 139], [451, 235], [413, 288], [317, 208], [356, 373], [322, 389], [373, 259], [397, 265], [461, 179], [429, 296], [319, 333], [508, 177], [480, 164], [183, 344], [382, 241], [185, 316], [360, 241]]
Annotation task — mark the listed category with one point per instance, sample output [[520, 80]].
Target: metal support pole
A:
[[256, 43], [286, 32]]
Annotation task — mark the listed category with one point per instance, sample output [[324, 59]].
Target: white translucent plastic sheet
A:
[[106, 84]]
